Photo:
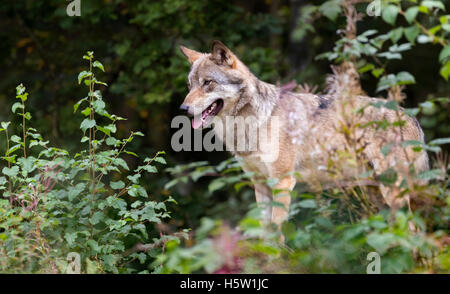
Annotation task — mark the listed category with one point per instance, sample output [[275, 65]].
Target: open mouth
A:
[[207, 115]]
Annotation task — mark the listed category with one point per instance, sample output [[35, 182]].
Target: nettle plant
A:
[[90, 203]]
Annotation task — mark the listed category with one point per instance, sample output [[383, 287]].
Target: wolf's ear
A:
[[191, 55], [221, 55]]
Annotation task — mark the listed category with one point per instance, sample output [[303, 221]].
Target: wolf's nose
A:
[[184, 107]]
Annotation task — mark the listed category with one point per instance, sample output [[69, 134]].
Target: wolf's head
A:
[[215, 83]]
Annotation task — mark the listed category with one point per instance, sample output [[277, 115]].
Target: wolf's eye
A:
[[207, 82]]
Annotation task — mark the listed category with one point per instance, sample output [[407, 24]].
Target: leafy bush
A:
[[91, 202]]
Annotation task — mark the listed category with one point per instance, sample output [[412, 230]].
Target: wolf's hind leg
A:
[[263, 198], [284, 186]]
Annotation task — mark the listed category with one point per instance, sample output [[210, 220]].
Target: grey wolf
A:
[[313, 130]]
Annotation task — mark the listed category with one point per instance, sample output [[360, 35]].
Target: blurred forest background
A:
[[138, 44]]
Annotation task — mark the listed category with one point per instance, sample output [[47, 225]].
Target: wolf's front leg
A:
[[263, 195], [284, 187]]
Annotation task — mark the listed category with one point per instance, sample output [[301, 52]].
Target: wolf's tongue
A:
[[197, 121]]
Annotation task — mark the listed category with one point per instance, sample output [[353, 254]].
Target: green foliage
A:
[[90, 203]]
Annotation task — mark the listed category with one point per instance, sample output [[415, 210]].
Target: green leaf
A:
[[5, 125], [96, 217], [411, 13], [160, 160], [445, 54], [75, 107], [430, 174], [70, 238], [111, 127], [76, 191], [405, 78], [10, 172], [99, 106], [411, 33], [392, 105], [134, 178], [104, 130], [150, 169], [215, 185], [381, 242], [117, 185], [86, 111], [388, 177], [440, 141], [389, 14], [377, 72], [307, 203], [433, 4], [99, 65], [386, 82], [82, 75], [445, 70], [412, 112], [331, 9], [112, 141], [396, 34], [16, 139], [94, 246], [15, 106], [87, 124]]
